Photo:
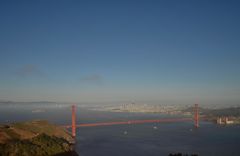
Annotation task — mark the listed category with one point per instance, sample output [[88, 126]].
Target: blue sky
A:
[[167, 52]]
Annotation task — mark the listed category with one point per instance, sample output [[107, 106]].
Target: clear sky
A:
[[167, 52]]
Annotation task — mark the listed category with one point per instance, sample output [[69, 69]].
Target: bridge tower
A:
[[196, 116], [73, 121]]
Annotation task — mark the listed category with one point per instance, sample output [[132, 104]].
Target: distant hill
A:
[[33, 102], [224, 112], [38, 138], [231, 111]]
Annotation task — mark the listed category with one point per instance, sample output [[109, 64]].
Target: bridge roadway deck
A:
[[164, 120]]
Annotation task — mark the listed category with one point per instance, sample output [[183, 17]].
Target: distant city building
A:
[[224, 120]]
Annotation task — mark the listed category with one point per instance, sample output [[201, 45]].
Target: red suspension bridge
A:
[[195, 119]]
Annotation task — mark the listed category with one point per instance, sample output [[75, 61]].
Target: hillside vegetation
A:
[[37, 138]]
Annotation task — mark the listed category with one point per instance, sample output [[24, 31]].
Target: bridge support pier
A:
[[196, 116], [73, 121]]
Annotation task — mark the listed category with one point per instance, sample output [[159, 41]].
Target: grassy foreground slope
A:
[[37, 138]]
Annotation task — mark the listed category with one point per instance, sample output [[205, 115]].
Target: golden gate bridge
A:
[[74, 125]]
